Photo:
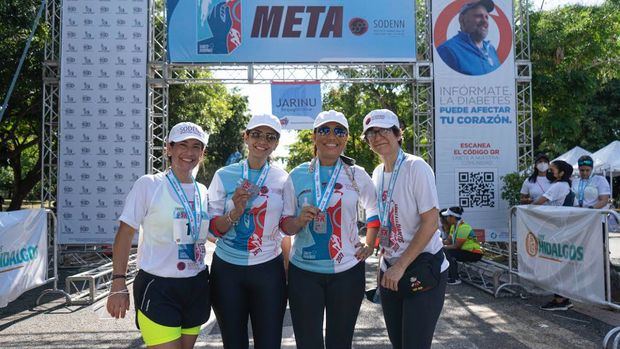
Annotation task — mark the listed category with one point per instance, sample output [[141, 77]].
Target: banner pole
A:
[[54, 289]]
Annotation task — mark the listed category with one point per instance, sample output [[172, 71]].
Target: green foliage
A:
[[355, 101], [222, 114], [576, 67], [511, 187], [20, 129]]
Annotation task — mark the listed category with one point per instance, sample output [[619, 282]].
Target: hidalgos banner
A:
[[23, 252], [475, 118], [561, 249], [274, 31], [296, 104]]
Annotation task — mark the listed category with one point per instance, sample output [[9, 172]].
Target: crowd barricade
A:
[[558, 249], [612, 339], [28, 253]]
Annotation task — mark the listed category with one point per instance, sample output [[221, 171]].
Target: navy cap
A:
[[487, 4]]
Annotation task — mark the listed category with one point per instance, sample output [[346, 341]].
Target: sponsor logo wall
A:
[[23, 252], [475, 118], [291, 31], [296, 103], [102, 115], [560, 249]]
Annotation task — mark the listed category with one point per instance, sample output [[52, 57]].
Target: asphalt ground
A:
[[470, 319]]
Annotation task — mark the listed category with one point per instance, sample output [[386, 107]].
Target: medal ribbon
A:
[[581, 190], [193, 216], [384, 207], [261, 178], [322, 198]]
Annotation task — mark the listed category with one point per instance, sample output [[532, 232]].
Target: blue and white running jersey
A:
[[256, 238], [332, 248]]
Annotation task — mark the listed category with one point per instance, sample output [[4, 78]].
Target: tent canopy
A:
[[608, 158], [573, 155]]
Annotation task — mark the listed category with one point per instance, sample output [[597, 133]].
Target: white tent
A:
[[609, 157], [573, 155]]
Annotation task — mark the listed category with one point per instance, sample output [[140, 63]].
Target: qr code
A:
[[476, 188]]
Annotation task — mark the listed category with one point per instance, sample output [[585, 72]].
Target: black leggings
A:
[[256, 290], [461, 256], [338, 295], [411, 321]]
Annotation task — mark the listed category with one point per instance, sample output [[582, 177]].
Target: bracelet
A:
[[119, 276], [229, 218]]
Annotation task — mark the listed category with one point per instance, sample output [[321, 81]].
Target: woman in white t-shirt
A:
[[413, 268], [538, 182], [247, 272], [560, 187], [171, 289], [591, 191], [558, 194]]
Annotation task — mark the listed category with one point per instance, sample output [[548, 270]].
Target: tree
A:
[[20, 129], [576, 65]]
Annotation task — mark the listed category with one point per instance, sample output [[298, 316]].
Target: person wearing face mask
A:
[[326, 275], [171, 289], [591, 191], [247, 273], [538, 182]]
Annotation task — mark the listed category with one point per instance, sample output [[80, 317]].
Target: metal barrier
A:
[[616, 342], [92, 285], [52, 233]]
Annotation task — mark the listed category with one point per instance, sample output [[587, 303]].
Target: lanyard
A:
[[456, 231], [261, 178], [384, 206], [322, 198], [582, 188], [193, 216]]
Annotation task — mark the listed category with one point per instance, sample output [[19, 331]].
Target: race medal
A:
[[200, 252], [320, 223], [384, 237]]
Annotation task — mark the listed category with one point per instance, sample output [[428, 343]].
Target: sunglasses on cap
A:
[[269, 137], [326, 130]]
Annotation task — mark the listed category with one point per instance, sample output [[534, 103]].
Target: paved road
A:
[[470, 319]]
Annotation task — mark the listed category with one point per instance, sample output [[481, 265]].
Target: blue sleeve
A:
[[448, 56]]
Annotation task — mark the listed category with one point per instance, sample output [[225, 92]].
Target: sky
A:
[[259, 95]]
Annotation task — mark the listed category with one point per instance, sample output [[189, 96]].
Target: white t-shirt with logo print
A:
[[414, 193], [592, 189], [537, 189], [153, 208], [557, 193]]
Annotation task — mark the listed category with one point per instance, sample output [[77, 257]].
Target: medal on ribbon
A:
[[322, 197], [386, 201], [193, 214]]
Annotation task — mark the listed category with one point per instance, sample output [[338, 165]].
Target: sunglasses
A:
[[269, 137], [326, 130], [373, 133]]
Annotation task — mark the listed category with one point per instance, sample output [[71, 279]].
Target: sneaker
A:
[[452, 281], [553, 306]]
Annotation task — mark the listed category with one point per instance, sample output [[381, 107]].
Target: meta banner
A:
[[475, 118], [23, 252], [296, 104], [561, 249], [303, 31]]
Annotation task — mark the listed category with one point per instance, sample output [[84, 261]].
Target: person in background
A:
[[409, 236], [444, 225], [591, 191], [247, 272], [326, 276], [558, 194], [171, 289], [538, 182], [462, 244], [235, 157]]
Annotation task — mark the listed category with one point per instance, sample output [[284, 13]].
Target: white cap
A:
[[382, 118], [330, 116], [187, 130], [449, 212], [268, 120]]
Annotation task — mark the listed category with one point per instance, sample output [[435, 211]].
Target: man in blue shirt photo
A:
[[468, 52]]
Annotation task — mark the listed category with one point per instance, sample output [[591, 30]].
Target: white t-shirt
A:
[[330, 249], [557, 193], [414, 193], [153, 207], [537, 189], [256, 238], [590, 189]]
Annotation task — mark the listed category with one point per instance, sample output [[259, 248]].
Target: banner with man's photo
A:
[[273, 31], [475, 117]]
